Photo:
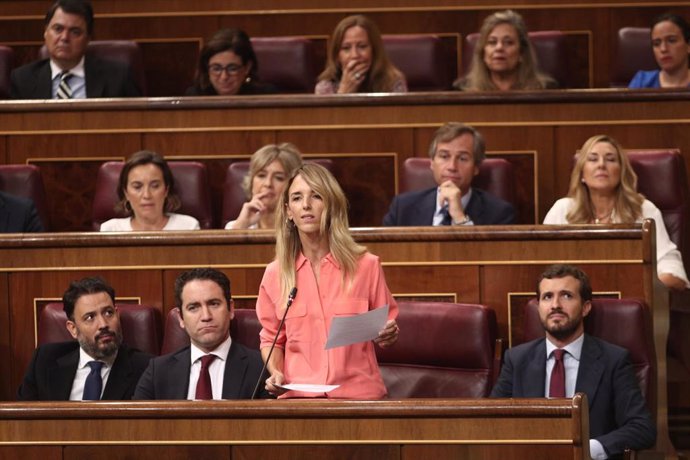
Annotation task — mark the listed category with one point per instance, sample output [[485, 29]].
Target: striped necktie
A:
[[64, 91]]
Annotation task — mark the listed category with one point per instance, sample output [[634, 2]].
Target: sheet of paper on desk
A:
[[308, 387], [346, 330]]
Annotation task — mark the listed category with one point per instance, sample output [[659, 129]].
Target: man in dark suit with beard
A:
[[70, 73], [456, 152], [567, 361], [97, 365]]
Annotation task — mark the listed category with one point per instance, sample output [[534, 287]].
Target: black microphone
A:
[[291, 298]]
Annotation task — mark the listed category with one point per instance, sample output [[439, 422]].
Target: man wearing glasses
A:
[[69, 73]]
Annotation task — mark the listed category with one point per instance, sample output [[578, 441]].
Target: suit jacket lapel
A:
[[590, 370], [235, 372], [120, 376], [95, 81], [179, 369], [44, 82], [428, 208], [534, 375], [475, 208], [61, 377]]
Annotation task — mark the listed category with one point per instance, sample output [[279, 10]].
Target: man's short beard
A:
[[105, 352]]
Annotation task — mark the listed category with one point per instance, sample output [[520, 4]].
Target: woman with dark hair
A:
[[335, 276], [504, 58], [603, 190], [671, 44], [357, 61], [147, 195], [228, 66]]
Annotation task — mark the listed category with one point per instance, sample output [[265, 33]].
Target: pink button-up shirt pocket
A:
[[350, 307]]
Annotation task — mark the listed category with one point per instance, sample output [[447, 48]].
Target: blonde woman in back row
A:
[[269, 170], [603, 190]]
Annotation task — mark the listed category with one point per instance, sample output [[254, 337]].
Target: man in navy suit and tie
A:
[[456, 152], [213, 366], [97, 365], [70, 73], [568, 361]]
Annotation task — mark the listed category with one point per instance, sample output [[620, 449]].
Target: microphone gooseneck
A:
[[291, 298]]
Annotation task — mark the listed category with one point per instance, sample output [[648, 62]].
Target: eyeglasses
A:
[[231, 69]]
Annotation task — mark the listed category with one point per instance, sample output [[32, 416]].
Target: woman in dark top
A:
[[228, 66]]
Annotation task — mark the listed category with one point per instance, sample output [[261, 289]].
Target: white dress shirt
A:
[[216, 369], [83, 371]]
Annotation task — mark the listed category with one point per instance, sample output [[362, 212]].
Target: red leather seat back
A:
[[6, 65], [123, 51], [427, 63], [140, 326], [289, 63], [623, 322], [662, 179], [233, 193], [633, 53], [191, 183], [445, 350], [26, 181], [495, 176], [244, 328], [550, 48]]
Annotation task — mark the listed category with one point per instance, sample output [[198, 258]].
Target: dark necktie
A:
[[557, 386], [94, 382], [446, 216], [64, 90], [203, 386]]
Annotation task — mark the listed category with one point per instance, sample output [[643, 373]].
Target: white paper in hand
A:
[[308, 387], [346, 330]]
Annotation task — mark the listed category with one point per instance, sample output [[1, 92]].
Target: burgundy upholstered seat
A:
[[633, 53], [6, 65], [140, 326], [244, 328], [289, 63], [495, 176], [123, 51], [623, 322], [445, 350], [191, 182], [551, 51], [26, 181], [427, 63], [233, 193]]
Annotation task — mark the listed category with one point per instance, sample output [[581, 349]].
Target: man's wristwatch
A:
[[465, 221]]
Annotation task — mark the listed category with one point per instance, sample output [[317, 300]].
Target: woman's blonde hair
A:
[[628, 207], [382, 74], [479, 76], [334, 224], [286, 153]]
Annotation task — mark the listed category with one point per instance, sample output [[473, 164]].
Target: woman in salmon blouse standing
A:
[[335, 276]]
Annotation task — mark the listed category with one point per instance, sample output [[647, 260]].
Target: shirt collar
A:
[[574, 348], [301, 260], [85, 359], [221, 351], [77, 70], [463, 201]]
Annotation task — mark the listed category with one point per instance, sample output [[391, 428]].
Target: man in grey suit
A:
[[70, 73], [213, 366], [63, 371], [568, 361]]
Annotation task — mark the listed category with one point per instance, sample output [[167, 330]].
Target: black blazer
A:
[[51, 372], [104, 78], [618, 416], [417, 208], [18, 215], [167, 377]]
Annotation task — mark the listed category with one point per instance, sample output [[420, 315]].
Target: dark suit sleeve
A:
[[391, 218], [506, 214], [28, 390], [129, 87], [14, 86], [636, 429], [33, 222], [145, 387], [504, 385]]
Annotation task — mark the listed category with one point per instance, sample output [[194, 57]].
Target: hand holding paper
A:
[[346, 330]]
